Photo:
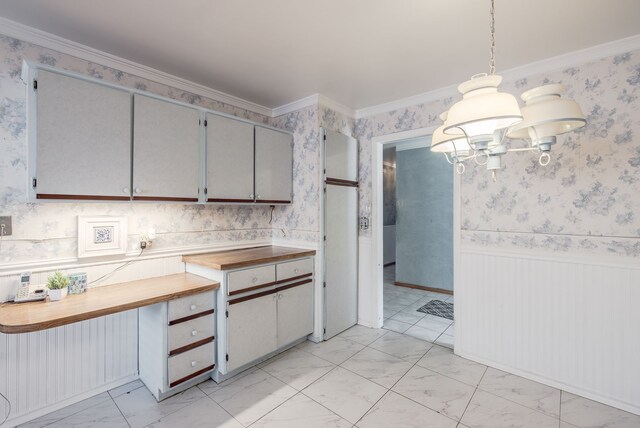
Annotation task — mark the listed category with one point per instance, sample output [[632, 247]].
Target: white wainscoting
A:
[[572, 323], [46, 370]]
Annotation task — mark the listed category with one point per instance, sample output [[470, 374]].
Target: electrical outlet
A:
[[5, 226]]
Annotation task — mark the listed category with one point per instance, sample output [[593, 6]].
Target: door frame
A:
[[377, 215]]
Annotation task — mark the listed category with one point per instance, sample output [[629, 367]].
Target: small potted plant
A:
[[57, 285]]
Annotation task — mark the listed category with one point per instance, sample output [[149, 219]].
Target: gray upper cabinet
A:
[[229, 160], [273, 165], [166, 151], [83, 139]]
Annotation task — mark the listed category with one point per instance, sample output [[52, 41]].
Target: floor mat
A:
[[438, 308]]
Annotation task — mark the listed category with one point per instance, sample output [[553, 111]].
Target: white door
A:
[[251, 330], [274, 166], [229, 160], [83, 140], [295, 313], [166, 151], [341, 232]]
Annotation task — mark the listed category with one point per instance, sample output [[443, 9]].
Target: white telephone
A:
[[23, 294]]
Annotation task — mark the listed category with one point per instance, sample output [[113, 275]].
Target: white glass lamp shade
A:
[[448, 143], [546, 114], [482, 109]]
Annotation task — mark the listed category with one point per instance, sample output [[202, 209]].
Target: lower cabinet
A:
[[177, 343], [251, 330], [295, 313]]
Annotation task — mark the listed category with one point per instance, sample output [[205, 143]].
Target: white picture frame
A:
[[101, 236]]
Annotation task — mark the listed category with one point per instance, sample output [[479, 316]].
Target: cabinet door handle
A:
[[138, 190], [193, 363], [251, 196], [259, 197], [125, 190], [193, 307], [194, 332], [279, 296]]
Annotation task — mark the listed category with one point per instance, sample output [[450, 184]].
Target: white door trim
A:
[[377, 276]]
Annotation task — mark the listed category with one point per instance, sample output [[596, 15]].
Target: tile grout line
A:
[[223, 409], [118, 407], [473, 395]]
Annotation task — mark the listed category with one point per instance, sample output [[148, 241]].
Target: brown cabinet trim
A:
[[164, 199], [191, 346], [341, 182], [191, 317], [191, 376], [229, 200], [293, 278], [266, 293], [295, 284], [271, 201], [82, 197], [257, 287]]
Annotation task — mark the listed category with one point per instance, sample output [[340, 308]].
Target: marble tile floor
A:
[[361, 378], [401, 314]]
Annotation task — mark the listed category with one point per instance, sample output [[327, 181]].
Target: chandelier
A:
[[477, 127]]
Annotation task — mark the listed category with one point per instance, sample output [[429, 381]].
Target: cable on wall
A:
[[117, 269], [9, 411]]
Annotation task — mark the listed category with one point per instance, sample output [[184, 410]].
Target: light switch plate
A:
[[6, 221]]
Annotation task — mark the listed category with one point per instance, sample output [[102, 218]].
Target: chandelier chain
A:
[[492, 50]]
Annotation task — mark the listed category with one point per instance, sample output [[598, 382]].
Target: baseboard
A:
[[425, 288], [389, 264], [591, 395], [12, 422]]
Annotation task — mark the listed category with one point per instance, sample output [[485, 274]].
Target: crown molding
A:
[[59, 44], [336, 106], [312, 100], [569, 59]]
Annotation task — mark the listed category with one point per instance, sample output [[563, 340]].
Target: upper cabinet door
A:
[[166, 150], [83, 140], [229, 160], [274, 166]]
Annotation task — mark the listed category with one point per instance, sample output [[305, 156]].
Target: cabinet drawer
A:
[[190, 332], [190, 305], [187, 365], [251, 279], [294, 269]]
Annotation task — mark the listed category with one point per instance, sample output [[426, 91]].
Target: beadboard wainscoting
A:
[[46, 370], [568, 322]]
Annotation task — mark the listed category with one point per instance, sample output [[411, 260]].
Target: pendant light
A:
[[476, 126]]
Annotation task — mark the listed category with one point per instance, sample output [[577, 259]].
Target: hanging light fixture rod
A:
[[492, 39]]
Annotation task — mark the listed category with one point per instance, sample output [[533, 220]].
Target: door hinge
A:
[[227, 314], [325, 137], [34, 182], [205, 122], [227, 357], [324, 285], [35, 84], [325, 238], [324, 331], [205, 190]]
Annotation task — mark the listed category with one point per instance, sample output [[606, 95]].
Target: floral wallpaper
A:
[[586, 200], [300, 221], [49, 230]]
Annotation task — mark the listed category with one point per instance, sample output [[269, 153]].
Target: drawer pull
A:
[[296, 270], [192, 307], [194, 332], [193, 363], [254, 280]]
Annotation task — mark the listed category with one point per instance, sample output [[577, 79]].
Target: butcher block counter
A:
[[234, 259], [100, 301]]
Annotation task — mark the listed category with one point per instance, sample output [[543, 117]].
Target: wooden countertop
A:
[[224, 260], [100, 301]]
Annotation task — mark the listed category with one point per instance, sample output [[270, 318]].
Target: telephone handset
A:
[[24, 295]]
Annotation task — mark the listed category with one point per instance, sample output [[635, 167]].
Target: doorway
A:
[[414, 205]]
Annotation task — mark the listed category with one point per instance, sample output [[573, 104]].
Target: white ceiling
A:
[[357, 52]]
